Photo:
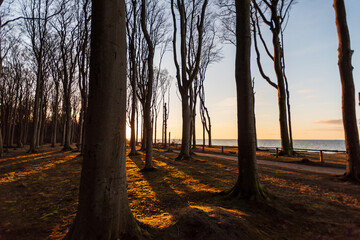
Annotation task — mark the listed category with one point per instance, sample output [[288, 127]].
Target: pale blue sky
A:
[[315, 90]]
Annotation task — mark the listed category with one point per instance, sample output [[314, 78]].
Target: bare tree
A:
[[37, 14], [131, 26], [192, 14], [66, 30], [247, 185], [166, 81], [275, 14], [83, 49], [145, 11], [211, 54], [103, 211], [348, 94], [56, 75]]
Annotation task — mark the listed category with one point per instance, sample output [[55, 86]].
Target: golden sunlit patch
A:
[[16, 175]]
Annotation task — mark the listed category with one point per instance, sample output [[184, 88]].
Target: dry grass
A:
[[180, 200]]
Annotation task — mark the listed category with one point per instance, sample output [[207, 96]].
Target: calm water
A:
[[336, 145]]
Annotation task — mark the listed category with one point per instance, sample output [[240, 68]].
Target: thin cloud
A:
[[330, 121]]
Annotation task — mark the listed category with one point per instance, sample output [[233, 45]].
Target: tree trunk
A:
[[137, 128], [186, 128], [209, 134], [134, 75], [284, 133], [104, 211], [1, 139], [148, 97], [67, 128], [247, 185], [348, 94], [132, 119], [21, 132], [165, 125], [55, 119], [34, 133], [193, 115]]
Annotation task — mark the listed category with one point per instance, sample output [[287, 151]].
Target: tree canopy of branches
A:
[[191, 19], [274, 14]]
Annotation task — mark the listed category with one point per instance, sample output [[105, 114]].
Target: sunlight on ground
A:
[[25, 156], [33, 169]]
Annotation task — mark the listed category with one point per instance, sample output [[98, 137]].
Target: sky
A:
[[311, 66]]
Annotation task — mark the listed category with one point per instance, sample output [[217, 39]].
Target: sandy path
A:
[[295, 166]]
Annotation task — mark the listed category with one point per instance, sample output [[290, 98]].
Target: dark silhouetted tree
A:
[[247, 185], [348, 94], [103, 211]]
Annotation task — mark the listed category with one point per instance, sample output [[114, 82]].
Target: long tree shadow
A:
[[34, 203], [204, 170], [285, 212]]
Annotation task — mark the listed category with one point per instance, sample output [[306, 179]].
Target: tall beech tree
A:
[[348, 94], [191, 15], [274, 14], [247, 185], [1, 139], [66, 30], [131, 26], [103, 211], [37, 15], [83, 20], [148, 93]]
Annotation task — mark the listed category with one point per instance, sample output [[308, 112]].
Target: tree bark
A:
[[33, 140], [186, 128], [55, 115], [1, 139], [104, 211], [284, 133], [148, 97], [247, 185], [188, 71], [348, 94], [133, 63]]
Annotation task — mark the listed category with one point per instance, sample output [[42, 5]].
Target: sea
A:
[[308, 145]]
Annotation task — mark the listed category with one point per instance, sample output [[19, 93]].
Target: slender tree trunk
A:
[[132, 121], [209, 134], [134, 75], [26, 123], [165, 125], [247, 185], [67, 128], [36, 111], [149, 138], [1, 139], [21, 132], [104, 211], [284, 133], [155, 128], [43, 126], [148, 98], [137, 128], [348, 94], [186, 128], [12, 134], [193, 127], [203, 135], [55, 118]]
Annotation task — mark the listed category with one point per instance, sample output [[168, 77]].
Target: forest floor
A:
[[180, 200]]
